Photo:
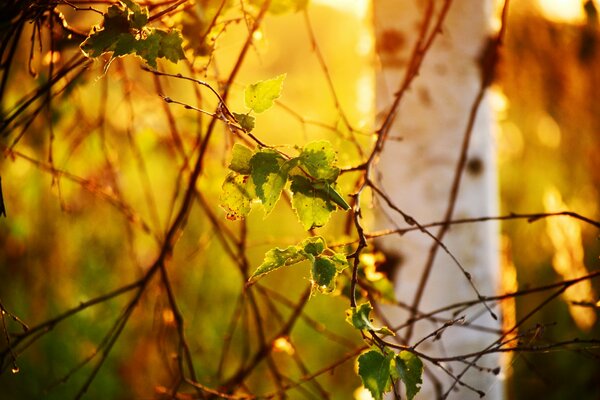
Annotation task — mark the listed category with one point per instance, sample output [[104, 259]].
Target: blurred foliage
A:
[[550, 142]]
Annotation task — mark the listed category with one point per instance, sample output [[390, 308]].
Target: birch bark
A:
[[418, 167]]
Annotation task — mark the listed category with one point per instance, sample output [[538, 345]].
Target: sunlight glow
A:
[[365, 87], [257, 35], [356, 7], [508, 284], [283, 345], [362, 393], [565, 235], [562, 10], [548, 132]]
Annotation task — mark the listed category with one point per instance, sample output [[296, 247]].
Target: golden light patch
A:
[[565, 235]]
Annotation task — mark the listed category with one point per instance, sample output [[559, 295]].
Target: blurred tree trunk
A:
[[418, 168]]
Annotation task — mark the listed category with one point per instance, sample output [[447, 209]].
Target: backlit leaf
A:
[[260, 96], [329, 191], [410, 369], [124, 32], [269, 175], [138, 18], [359, 317], [374, 371], [277, 258], [125, 44], [236, 196], [325, 269], [312, 206], [319, 160], [246, 121], [313, 245], [240, 159], [323, 273], [170, 45]]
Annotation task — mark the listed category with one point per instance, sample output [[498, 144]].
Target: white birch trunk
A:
[[417, 173]]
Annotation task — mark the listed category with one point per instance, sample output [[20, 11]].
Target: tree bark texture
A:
[[418, 168]]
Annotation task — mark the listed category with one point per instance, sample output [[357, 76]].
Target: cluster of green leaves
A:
[[326, 264], [124, 31], [377, 369], [262, 175]]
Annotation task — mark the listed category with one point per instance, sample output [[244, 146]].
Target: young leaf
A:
[[277, 258], [313, 245], [340, 262], [260, 96], [236, 196], [359, 317], [240, 159], [312, 206], [374, 371], [270, 176], [170, 45], [246, 121], [319, 160], [410, 369], [325, 269], [323, 274]]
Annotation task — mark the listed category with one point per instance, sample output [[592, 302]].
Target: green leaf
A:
[[323, 273], [125, 44], [103, 40], [124, 32], [236, 196], [240, 159], [410, 369], [374, 371], [319, 160], [277, 258], [330, 193], [359, 317], [170, 45], [325, 269], [260, 96], [138, 18], [269, 173], [312, 205], [313, 245], [149, 48], [246, 121], [340, 261]]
